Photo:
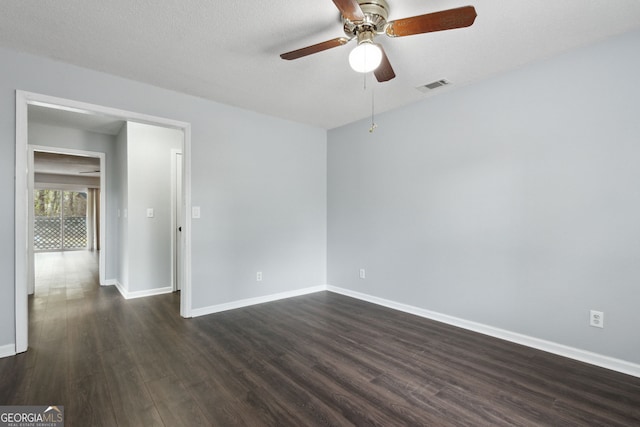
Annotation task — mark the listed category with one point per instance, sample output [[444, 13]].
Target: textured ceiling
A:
[[228, 51]]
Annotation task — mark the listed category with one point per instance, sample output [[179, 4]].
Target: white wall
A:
[[260, 182], [513, 202], [149, 186], [65, 137]]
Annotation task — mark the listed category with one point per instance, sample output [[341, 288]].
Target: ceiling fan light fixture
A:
[[365, 57]]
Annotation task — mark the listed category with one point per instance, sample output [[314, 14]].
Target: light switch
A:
[[195, 212], [149, 212]]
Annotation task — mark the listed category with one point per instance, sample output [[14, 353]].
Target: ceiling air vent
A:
[[433, 85]]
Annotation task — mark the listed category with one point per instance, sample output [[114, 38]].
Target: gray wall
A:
[[122, 191], [149, 186], [263, 200], [513, 202], [65, 137], [260, 182]]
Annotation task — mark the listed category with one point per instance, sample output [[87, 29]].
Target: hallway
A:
[[79, 340], [64, 275]]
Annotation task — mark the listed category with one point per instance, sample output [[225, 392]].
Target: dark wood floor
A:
[[321, 359]]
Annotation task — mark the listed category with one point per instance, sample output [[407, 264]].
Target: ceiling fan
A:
[[365, 19]]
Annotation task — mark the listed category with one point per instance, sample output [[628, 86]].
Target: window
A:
[[60, 220]]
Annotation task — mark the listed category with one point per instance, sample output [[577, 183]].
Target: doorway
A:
[[63, 244], [24, 244], [53, 173], [176, 217]]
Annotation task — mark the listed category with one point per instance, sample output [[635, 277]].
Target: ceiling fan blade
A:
[[350, 9], [299, 53], [437, 21], [384, 72]]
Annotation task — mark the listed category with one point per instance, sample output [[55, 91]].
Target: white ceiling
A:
[[87, 122], [64, 164], [228, 51]]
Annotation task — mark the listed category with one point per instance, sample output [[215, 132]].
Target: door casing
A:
[[23, 100]]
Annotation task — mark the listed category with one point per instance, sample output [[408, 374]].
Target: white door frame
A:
[[23, 99], [176, 236], [30, 214]]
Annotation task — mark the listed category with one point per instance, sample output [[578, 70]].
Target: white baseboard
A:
[[203, 311], [537, 343], [548, 346], [109, 282], [140, 294], [7, 350], [120, 289]]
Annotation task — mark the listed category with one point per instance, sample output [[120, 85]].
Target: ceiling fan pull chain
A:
[[373, 124]]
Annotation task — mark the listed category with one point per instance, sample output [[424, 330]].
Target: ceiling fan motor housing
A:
[[375, 18]]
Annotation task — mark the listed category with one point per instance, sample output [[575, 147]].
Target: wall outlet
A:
[[363, 274], [259, 276], [150, 213], [596, 319]]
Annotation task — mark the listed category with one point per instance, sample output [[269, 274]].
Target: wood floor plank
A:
[[91, 405], [221, 406], [49, 384], [131, 401], [15, 379], [174, 403]]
